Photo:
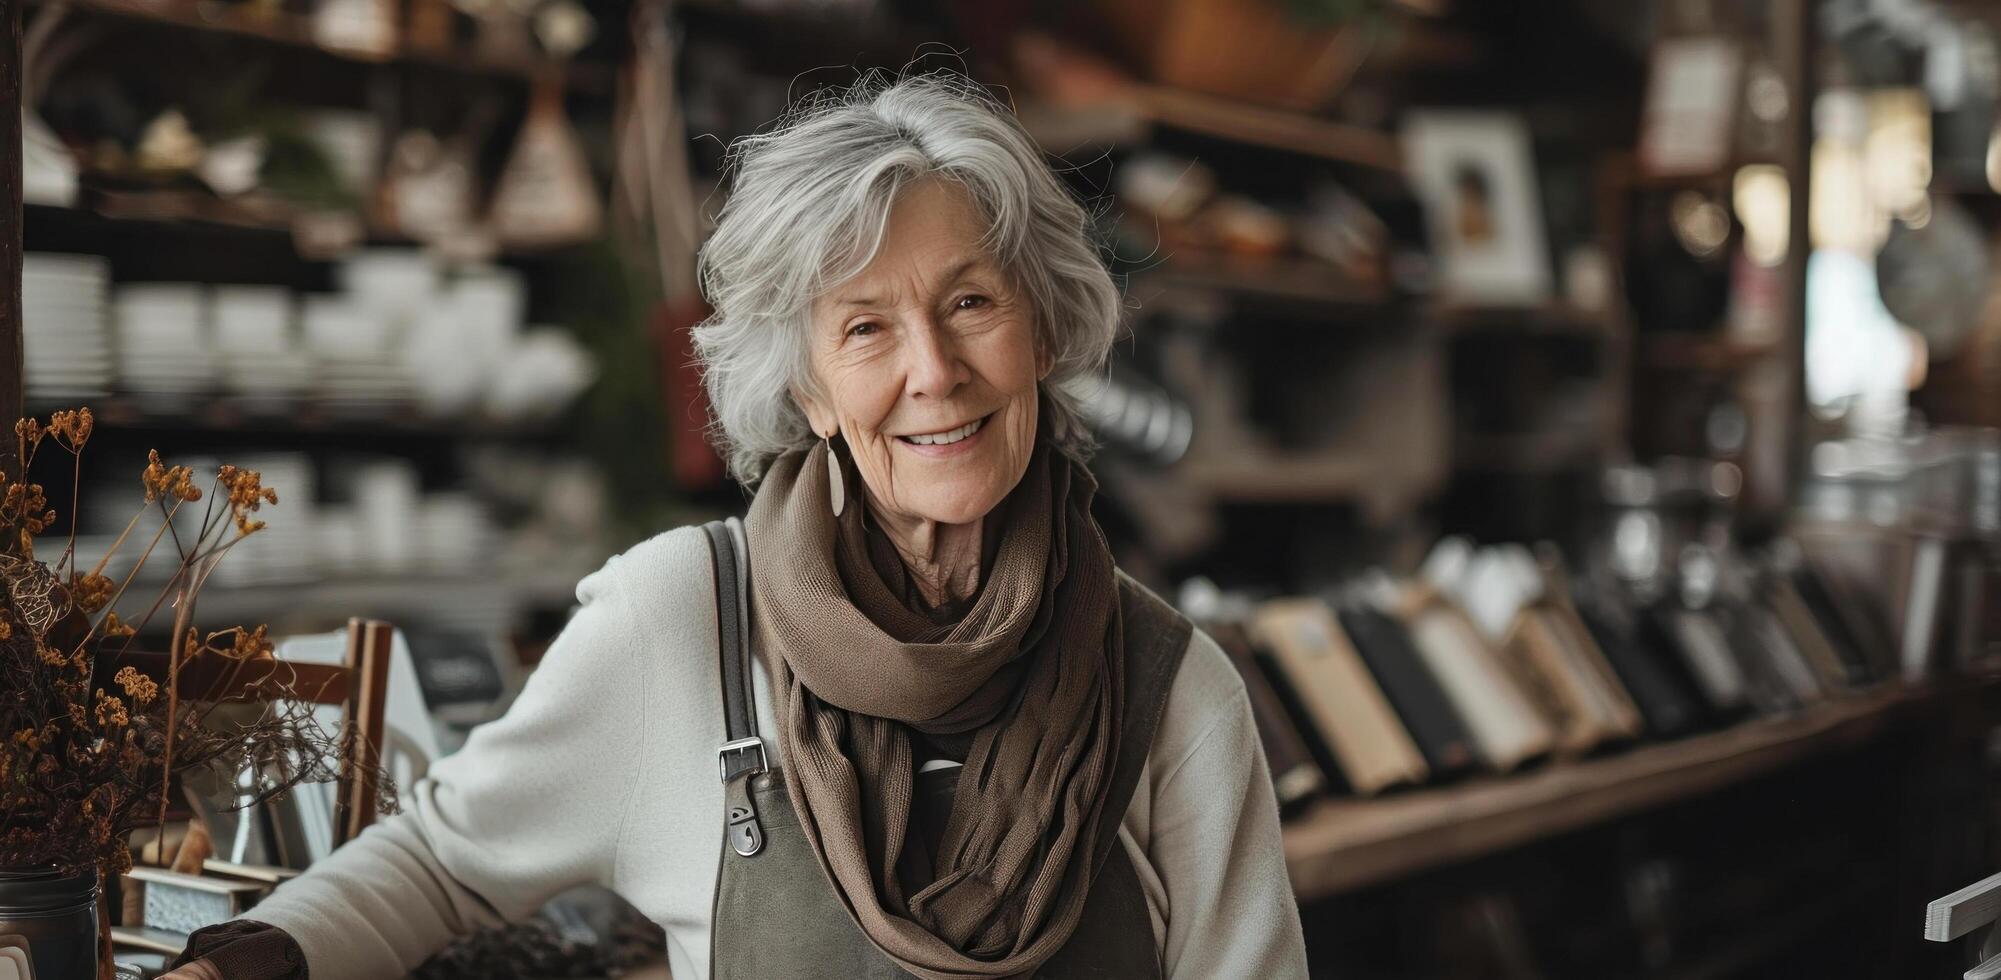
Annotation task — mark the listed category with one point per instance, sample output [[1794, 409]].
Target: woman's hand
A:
[[198, 970]]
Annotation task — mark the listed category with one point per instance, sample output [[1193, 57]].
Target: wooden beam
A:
[[1775, 400]]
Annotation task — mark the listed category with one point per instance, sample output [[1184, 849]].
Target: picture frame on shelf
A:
[[1475, 174]]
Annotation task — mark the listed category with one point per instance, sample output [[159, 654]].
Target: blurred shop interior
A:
[[1575, 417]]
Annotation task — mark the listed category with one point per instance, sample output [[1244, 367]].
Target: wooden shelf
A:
[[1137, 107], [164, 210], [1257, 476], [182, 213], [1340, 845], [1713, 181], [1701, 353], [1277, 129], [292, 30], [1284, 281], [1546, 318], [1526, 452], [1382, 488]]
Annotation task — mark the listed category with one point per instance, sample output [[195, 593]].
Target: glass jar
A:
[[48, 923]]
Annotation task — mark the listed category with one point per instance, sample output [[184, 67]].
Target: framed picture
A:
[[1475, 175]]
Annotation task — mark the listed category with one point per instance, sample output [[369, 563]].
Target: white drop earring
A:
[[835, 490]]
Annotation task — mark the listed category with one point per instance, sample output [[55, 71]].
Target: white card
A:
[[14, 964]]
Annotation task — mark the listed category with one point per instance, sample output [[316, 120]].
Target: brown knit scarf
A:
[[1033, 675]]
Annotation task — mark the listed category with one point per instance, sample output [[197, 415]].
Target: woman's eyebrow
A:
[[953, 272]]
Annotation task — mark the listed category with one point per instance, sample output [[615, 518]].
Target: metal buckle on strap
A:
[[734, 758]]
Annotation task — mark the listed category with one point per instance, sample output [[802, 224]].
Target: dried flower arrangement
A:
[[82, 766]]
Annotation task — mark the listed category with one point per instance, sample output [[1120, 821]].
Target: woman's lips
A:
[[963, 446]]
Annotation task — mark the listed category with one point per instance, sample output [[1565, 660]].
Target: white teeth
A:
[[947, 438]]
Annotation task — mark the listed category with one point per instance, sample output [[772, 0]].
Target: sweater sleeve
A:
[[514, 817], [1216, 843]]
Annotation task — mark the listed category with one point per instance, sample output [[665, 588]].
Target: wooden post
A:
[[1795, 48], [1774, 393], [363, 725], [11, 380]]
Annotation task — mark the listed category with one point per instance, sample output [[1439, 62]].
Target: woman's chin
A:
[[957, 510], [954, 501]]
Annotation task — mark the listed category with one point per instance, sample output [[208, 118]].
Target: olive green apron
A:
[[776, 915]]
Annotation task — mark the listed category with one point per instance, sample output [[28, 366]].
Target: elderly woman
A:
[[993, 754]]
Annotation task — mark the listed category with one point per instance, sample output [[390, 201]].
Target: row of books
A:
[[1492, 659]]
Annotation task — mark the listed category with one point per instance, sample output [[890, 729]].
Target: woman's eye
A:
[[972, 302], [862, 329]]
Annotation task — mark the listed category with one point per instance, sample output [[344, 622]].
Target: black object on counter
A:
[[1412, 690], [1667, 700]]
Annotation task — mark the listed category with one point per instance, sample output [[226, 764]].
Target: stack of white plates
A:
[[164, 353], [268, 383], [334, 325], [66, 342], [340, 541], [454, 535], [393, 283], [543, 371], [262, 365], [367, 386], [286, 549], [449, 368], [491, 304], [458, 342], [356, 371], [387, 500], [252, 320]]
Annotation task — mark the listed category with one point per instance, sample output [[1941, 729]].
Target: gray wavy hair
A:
[[807, 211]]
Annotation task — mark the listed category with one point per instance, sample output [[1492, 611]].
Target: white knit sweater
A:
[[604, 770]]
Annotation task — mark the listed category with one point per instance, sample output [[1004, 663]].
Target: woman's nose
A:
[[933, 367]]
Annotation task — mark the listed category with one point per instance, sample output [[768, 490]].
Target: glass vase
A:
[[48, 924]]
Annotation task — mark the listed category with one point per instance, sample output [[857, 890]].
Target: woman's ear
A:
[[818, 415]]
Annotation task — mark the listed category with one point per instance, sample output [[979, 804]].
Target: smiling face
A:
[[929, 363]]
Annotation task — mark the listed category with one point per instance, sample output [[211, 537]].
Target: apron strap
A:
[[1156, 637], [742, 753]]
